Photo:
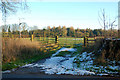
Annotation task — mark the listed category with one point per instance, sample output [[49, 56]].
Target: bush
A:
[[110, 50]]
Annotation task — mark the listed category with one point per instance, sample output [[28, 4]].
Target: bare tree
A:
[[10, 6], [4, 28], [104, 23], [102, 20], [119, 19], [112, 25], [14, 27]]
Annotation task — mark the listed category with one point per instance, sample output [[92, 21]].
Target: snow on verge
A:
[[7, 71], [59, 65], [64, 49]]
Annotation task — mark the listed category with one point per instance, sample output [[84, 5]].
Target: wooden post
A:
[[85, 41], [56, 39], [32, 37]]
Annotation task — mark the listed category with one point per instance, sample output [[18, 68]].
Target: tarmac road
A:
[[39, 76], [34, 73]]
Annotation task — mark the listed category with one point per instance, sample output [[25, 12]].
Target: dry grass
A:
[[18, 52], [13, 49]]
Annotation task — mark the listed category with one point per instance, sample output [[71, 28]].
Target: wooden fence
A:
[[86, 40], [89, 42]]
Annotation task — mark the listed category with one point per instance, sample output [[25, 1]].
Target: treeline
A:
[[61, 32], [71, 32]]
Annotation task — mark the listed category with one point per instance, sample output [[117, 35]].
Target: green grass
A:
[[64, 42], [70, 41]]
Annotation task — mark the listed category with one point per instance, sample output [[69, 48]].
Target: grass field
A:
[[67, 42]]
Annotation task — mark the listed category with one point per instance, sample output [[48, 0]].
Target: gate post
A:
[[85, 41], [56, 39]]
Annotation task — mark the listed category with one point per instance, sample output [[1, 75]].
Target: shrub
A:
[[110, 50]]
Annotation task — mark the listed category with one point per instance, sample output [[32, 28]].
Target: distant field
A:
[[63, 41]]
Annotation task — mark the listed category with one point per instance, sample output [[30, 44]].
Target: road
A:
[[39, 76], [34, 73]]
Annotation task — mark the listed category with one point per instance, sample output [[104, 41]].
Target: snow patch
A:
[[28, 65], [114, 67], [59, 65], [68, 64], [7, 71], [64, 49], [102, 74]]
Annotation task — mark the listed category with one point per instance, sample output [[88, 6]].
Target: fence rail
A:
[[62, 41], [90, 42]]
